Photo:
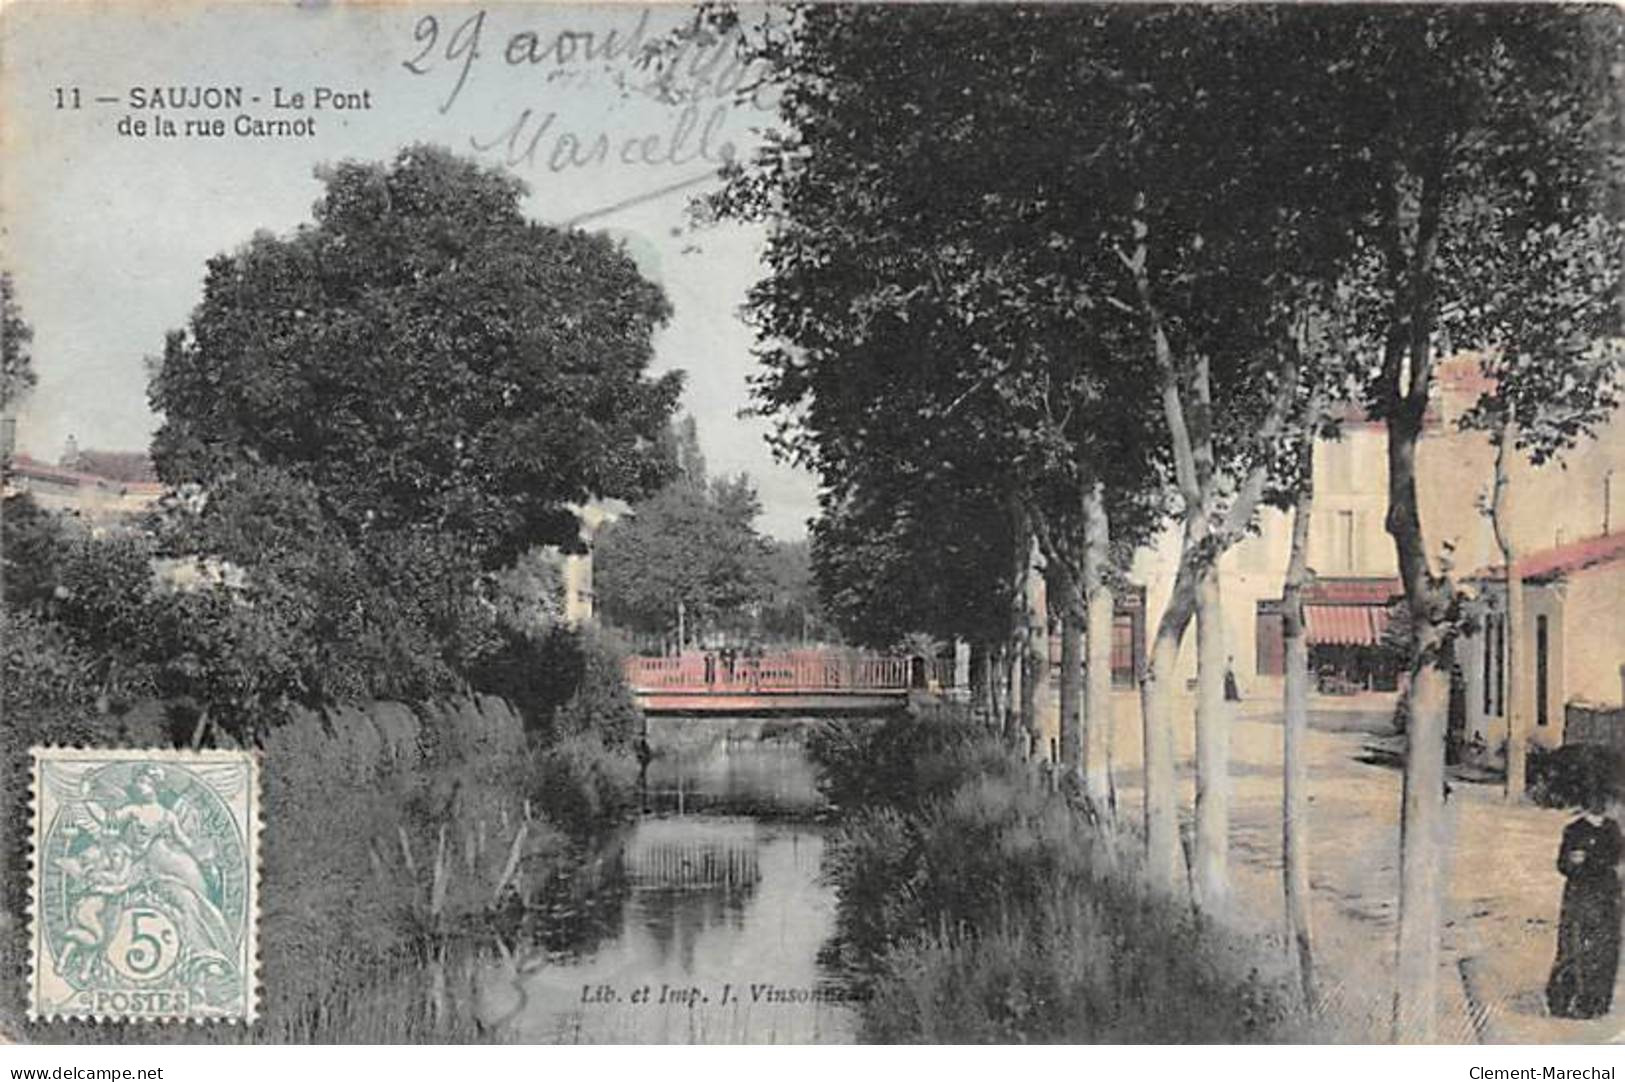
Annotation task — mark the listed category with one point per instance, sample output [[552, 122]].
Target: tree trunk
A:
[[1097, 691], [1407, 368], [1212, 846], [981, 674], [1295, 729], [1422, 853], [1511, 694], [1035, 661], [1157, 691], [1071, 726], [1007, 686]]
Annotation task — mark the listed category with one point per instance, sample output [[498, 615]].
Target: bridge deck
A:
[[804, 681], [665, 701]]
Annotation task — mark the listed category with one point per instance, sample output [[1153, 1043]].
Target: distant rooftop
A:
[[122, 471], [1565, 560]]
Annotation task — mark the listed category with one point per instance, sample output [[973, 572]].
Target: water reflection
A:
[[746, 766], [721, 914]]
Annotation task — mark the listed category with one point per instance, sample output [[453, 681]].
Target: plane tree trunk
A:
[[1065, 610], [1295, 730], [1406, 373], [1211, 849], [1097, 675]]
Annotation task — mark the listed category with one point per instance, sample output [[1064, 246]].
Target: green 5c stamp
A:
[[145, 884]]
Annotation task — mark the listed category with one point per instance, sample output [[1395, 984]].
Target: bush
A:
[[903, 762], [564, 683], [580, 783], [1572, 775], [979, 906], [40, 666]]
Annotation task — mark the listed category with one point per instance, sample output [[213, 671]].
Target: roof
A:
[[26, 466], [1362, 591], [1564, 560]]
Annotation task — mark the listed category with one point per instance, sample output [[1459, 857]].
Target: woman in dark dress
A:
[[1582, 980]]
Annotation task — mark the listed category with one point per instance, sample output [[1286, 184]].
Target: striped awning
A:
[[1345, 625]]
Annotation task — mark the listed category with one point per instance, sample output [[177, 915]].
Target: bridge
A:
[[795, 681]]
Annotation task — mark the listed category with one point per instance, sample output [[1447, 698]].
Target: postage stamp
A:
[[145, 885]]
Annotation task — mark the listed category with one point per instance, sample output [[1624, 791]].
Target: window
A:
[[1500, 665], [1495, 676], [1128, 637], [1541, 679], [1269, 650], [1344, 539]]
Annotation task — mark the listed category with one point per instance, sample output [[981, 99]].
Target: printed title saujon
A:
[[191, 111]]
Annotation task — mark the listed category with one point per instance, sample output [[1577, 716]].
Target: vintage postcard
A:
[[750, 524]]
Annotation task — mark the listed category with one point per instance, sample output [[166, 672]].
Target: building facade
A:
[[1575, 499], [1571, 650]]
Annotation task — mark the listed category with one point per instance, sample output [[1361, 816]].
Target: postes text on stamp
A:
[[145, 884]]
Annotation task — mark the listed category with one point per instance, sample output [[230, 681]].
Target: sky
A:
[[107, 231]]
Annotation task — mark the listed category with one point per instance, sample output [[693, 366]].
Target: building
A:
[[575, 568], [1571, 651], [101, 487], [1352, 555]]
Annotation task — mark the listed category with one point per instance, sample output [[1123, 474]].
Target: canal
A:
[[712, 914]]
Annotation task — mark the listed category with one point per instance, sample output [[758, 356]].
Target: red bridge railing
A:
[[793, 671]]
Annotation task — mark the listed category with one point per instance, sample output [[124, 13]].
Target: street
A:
[[1500, 915]]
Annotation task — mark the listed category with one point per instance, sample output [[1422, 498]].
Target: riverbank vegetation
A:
[[364, 464], [978, 903]]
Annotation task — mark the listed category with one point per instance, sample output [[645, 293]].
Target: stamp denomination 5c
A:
[[145, 884]]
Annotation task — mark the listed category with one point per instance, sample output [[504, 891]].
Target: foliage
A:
[[978, 907], [579, 783], [529, 596], [30, 541], [17, 374], [939, 557], [693, 545], [565, 683], [39, 664], [426, 359], [380, 416], [792, 609], [1573, 775], [902, 763]]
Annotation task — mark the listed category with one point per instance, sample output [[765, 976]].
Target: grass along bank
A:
[[975, 905], [393, 836]]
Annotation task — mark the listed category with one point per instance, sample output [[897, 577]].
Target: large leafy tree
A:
[[693, 547], [426, 358]]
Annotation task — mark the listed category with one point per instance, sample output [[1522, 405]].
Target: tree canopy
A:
[[427, 359], [693, 544]]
